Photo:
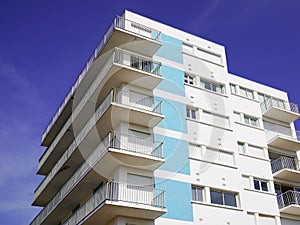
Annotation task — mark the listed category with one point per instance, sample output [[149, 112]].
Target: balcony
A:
[[122, 32], [119, 199], [285, 168], [121, 67], [280, 110], [289, 202], [284, 141], [116, 149]]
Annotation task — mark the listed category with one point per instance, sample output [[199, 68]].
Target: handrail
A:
[[118, 22], [275, 102], [288, 198], [137, 100], [294, 134], [113, 139], [283, 163], [136, 61], [124, 54], [116, 191]]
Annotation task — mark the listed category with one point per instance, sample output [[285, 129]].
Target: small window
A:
[[233, 88], [260, 185], [219, 88], [251, 121], [191, 113], [246, 92], [197, 193], [242, 147], [223, 198], [188, 79]]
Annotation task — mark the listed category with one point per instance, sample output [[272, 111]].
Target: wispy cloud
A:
[[20, 106]]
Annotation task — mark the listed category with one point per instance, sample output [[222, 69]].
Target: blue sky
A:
[[44, 45]]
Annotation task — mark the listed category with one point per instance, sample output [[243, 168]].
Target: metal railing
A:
[[288, 198], [283, 163], [116, 191], [294, 134], [137, 62], [137, 100], [113, 139], [118, 22], [124, 97], [136, 144], [275, 102]]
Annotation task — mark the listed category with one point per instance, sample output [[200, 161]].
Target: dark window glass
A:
[[216, 197], [256, 185], [264, 186], [230, 199]]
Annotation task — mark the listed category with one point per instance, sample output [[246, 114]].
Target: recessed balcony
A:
[[123, 33], [289, 202], [284, 141], [285, 168], [280, 110], [121, 67], [119, 199]]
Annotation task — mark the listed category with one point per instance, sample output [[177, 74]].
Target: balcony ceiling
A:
[[281, 114]]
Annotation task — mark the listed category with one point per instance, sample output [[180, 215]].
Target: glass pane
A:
[[264, 186], [197, 194], [250, 94], [193, 114], [233, 88], [188, 113], [230, 199], [253, 122], [216, 197], [243, 91], [256, 185], [246, 120], [207, 85]]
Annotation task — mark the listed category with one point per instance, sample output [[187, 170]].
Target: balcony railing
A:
[[125, 97], [115, 191], [288, 198], [137, 100], [274, 102], [283, 163], [120, 23], [113, 140], [137, 62], [294, 134]]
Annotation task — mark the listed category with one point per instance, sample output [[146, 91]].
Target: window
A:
[[191, 113], [260, 185], [188, 79], [197, 194], [242, 147], [246, 92], [219, 88], [251, 121], [223, 198], [233, 88]]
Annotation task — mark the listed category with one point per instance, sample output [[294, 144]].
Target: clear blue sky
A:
[[44, 45]]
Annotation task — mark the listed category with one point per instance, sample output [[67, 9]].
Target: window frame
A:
[[223, 196], [189, 79], [233, 88], [251, 120], [260, 186], [212, 86], [196, 192], [191, 113], [248, 93]]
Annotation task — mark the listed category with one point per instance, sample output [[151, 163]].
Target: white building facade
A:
[[155, 130]]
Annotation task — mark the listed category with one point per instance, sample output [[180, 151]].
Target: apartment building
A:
[[155, 130]]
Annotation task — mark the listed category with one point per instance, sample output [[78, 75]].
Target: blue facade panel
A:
[[178, 198], [171, 49], [176, 153], [173, 81]]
